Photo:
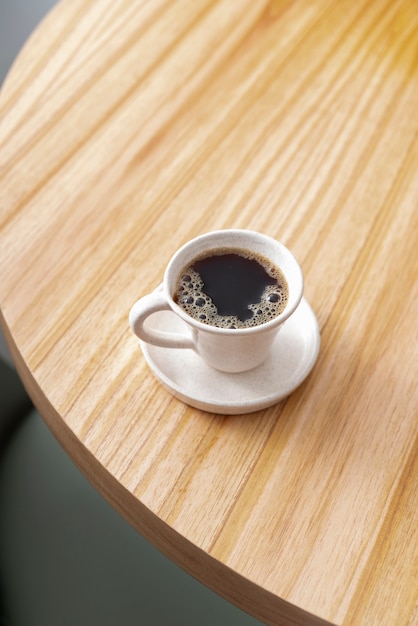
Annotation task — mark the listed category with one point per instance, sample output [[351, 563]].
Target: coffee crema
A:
[[231, 288]]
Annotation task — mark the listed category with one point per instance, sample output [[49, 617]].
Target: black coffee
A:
[[231, 288]]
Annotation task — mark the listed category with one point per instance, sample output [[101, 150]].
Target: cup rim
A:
[[296, 293]]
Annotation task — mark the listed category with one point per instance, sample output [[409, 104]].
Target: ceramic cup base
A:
[[185, 375]]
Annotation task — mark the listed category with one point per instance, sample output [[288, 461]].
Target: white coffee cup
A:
[[225, 349]]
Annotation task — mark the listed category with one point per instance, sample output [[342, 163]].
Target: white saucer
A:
[[184, 374]]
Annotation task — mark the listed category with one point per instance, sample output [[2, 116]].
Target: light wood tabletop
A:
[[128, 128]]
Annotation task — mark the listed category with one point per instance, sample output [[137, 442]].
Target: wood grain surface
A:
[[128, 128]]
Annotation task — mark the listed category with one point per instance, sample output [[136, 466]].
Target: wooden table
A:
[[126, 129]]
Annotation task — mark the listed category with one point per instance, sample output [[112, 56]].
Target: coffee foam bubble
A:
[[190, 295]]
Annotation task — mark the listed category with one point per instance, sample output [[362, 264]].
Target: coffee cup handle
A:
[[142, 309]]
